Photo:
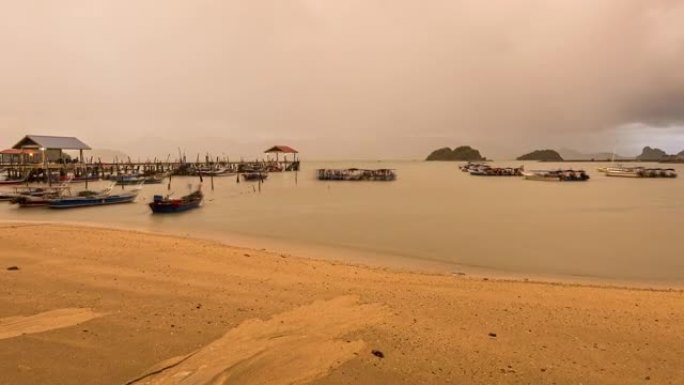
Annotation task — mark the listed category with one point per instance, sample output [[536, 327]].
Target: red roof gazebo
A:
[[282, 150]]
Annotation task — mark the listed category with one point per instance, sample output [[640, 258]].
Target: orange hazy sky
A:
[[346, 78]]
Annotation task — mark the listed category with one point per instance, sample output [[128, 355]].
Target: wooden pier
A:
[[112, 170]]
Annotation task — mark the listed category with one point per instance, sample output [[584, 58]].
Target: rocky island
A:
[[542, 155], [462, 153], [652, 154]]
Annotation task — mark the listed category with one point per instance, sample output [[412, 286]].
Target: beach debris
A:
[[13, 268], [378, 353], [493, 335]]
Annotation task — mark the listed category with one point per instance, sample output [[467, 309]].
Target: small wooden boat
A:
[[103, 198], [13, 182], [131, 180], [497, 171], [26, 191], [641, 172], [166, 204], [213, 171], [556, 175], [471, 166], [255, 176], [42, 199], [357, 174]]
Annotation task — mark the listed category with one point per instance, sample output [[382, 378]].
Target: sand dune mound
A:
[[294, 347]]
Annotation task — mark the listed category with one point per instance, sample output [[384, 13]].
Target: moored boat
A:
[[13, 182], [357, 174], [641, 172], [42, 198], [556, 175], [471, 166], [130, 180], [103, 198], [255, 176], [496, 171], [167, 204]]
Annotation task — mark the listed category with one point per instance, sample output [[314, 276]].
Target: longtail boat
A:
[[255, 176], [43, 199], [130, 180], [556, 175], [641, 172], [357, 174], [167, 204], [102, 198], [496, 171]]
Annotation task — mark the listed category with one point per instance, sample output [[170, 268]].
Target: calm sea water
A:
[[607, 227]]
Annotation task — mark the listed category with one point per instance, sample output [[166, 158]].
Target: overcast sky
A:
[[344, 78]]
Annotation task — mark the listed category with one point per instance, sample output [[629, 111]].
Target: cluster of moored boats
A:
[[61, 197], [357, 174], [567, 175]]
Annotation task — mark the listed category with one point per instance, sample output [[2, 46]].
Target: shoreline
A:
[[374, 260], [115, 307]]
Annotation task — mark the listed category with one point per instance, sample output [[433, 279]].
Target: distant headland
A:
[[648, 154], [542, 155], [462, 153]]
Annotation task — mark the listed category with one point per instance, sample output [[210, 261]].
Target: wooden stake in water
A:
[[212, 182]]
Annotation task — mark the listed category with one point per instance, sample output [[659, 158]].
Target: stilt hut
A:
[[284, 164]]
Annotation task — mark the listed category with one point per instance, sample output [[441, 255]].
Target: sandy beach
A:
[[95, 306]]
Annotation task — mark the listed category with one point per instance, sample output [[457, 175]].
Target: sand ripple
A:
[[38, 323]]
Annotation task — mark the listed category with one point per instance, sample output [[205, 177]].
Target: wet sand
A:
[[98, 306]]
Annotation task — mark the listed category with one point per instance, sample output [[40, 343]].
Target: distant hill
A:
[[568, 154], [652, 154], [105, 155], [463, 153], [543, 155]]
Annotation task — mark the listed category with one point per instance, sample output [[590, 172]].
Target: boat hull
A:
[[162, 208], [70, 203]]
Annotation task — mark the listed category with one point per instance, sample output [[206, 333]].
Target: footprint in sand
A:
[[297, 346], [42, 322]]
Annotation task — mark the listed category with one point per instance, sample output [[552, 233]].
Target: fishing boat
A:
[[43, 198], [556, 175], [130, 180], [496, 171], [26, 191], [167, 204], [14, 182], [102, 198], [641, 172], [255, 176], [210, 171], [471, 166], [357, 174]]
